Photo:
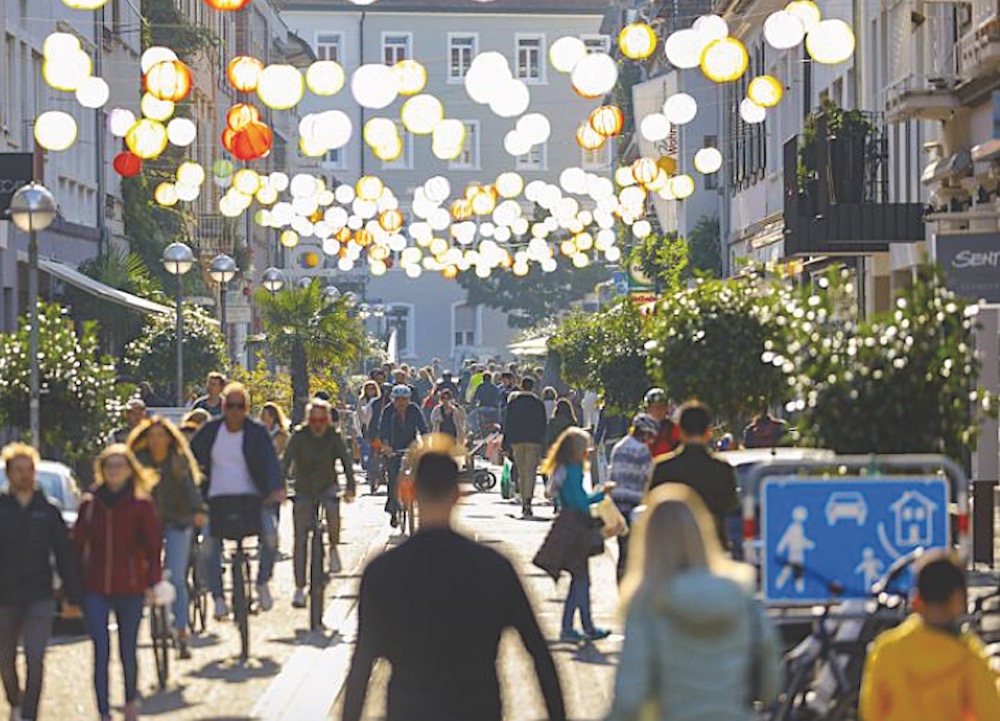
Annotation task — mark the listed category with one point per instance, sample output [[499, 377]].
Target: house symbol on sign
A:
[[914, 515]]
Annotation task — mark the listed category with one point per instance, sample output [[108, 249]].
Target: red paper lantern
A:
[[241, 115], [227, 5], [252, 141], [127, 164]]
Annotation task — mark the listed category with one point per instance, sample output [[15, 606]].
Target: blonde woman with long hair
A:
[[119, 538], [697, 645]]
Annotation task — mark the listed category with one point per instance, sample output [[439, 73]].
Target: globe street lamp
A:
[[178, 260], [32, 208], [222, 270], [331, 294], [273, 280]]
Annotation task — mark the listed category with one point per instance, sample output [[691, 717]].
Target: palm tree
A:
[[308, 332]]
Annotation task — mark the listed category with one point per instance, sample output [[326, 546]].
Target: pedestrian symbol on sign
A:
[[794, 543]]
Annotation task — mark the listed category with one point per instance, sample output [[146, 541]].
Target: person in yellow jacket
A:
[[927, 669]]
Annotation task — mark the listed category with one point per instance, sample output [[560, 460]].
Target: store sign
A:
[[16, 171], [971, 262]]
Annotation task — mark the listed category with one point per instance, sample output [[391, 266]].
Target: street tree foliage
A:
[[605, 352], [902, 381], [707, 342], [662, 258], [313, 337], [153, 355], [705, 247], [81, 396], [535, 297]]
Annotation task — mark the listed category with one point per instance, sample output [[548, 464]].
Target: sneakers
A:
[[221, 609], [572, 636], [132, 711], [394, 521], [264, 597], [299, 599], [596, 634], [183, 651], [527, 512]]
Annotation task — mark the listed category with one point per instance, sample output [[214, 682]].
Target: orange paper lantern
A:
[[244, 73], [241, 115], [253, 141], [227, 5], [169, 80], [607, 121]]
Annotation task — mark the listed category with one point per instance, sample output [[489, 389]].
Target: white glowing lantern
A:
[[437, 189], [783, 30], [683, 48], [807, 12], [708, 161], [379, 131], [156, 109], [510, 99], [830, 42], [166, 194], [411, 76], [154, 55], [566, 52], [60, 45], [190, 173], [325, 78], [535, 127], [67, 72], [374, 86], [448, 139], [682, 186], [55, 130], [655, 127], [421, 113], [751, 112], [281, 87], [765, 90], [711, 27], [680, 108], [187, 193], [724, 60], [119, 121], [182, 132], [516, 144], [595, 75], [487, 72], [333, 129], [642, 229], [509, 185], [93, 93]]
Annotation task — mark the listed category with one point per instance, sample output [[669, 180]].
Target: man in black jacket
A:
[[693, 465], [32, 532], [524, 433], [441, 635]]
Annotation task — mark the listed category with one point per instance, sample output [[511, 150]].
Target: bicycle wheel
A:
[[317, 580], [197, 601], [159, 631], [241, 602]]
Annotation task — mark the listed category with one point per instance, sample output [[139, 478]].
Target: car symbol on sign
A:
[[845, 505]]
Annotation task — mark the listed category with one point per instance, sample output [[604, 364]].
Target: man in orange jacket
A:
[[927, 668]]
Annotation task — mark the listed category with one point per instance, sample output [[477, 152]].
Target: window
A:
[[711, 179], [330, 46], [334, 159], [405, 159], [596, 43], [468, 159], [599, 159], [534, 159], [466, 320], [401, 317], [396, 47], [462, 48], [531, 58]]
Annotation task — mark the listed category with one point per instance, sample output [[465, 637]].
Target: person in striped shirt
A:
[[631, 466]]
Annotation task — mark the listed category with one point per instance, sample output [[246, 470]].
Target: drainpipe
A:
[[361, 108], [99, 139]]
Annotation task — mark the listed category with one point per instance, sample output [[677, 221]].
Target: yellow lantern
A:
[[765, 90], [156, 109], [369, 188], [289, 239], [588, 138], [147, 138], [724, 60], [637, 41], [166, 194], [244, 73], [421, 114], [325, 78], [461, 209], [169, 80], [483, 203], [281, 87], [607, 120], [391, 221], [390, 150], [246, 181], [364, 237], [645, 170]]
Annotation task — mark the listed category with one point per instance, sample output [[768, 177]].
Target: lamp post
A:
[[222, 271], [32, 208], [178, 260], [331, 294], [273, 280], [378, 310]]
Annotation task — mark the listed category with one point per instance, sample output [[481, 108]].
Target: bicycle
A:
[[242, 597], [405, 493], [161, 634], [318, 578], [197, 587]]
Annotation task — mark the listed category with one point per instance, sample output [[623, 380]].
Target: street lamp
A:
[[222, 270], [273, 280], [331, 294], [364, 311], [32, 208], [178, 260]]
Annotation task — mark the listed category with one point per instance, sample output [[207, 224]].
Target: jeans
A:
[[578, 598], [34, 623], [526, 458], [268, 552], [395, 467], [176, 559], [128, 614], [626, 511], [303, 513]]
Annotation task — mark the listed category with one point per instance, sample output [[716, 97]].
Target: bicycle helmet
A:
[[401, 391], [645, 423], [656, 395]]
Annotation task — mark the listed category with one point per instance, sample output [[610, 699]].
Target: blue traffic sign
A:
[[817, 532]]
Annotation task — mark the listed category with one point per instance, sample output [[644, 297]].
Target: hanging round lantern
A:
[[182, 132], [637, 41], [421, 113], [241, 115], [391, 221], [807, 12], [595, 75], [85, 4], [325, 78], [289, 238], [244, 72], [708, 160], [566, 52], [370, 188], [252, 141], [765, 90], [93, 93], [169, 80], [127, 164], [156, 109], [588, 138], [645, 170], [147, 138], [607, 120], [830, 42], [227, 5], [55, 130], [411, 76], [281, 87], [724, 60], [783, 30], [364, 237], [683, 48]]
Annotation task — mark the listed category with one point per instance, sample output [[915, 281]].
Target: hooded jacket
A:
[[689, 652], [917, 672]]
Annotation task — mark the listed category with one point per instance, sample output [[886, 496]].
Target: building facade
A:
[[430, 313]]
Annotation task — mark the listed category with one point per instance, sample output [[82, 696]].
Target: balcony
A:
[[214, 233], [921, 98], [978, 50]]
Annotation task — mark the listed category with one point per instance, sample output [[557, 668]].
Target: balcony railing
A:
[[918, 97]]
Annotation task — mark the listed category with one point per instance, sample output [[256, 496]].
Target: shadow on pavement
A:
[[164, 702], [235, 671]]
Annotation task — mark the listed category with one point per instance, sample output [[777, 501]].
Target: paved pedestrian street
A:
[[296, 675]]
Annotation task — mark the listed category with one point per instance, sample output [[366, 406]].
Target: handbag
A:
[[614, 521], [233, 518], [595, 537]]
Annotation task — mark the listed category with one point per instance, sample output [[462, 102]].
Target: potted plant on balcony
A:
[[846, 141]]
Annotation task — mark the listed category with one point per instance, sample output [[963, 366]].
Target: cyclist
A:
[[402, 424], [241, 471], [658, 406], [311, 458]]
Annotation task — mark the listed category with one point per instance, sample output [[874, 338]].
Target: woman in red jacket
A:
[[119, 539]]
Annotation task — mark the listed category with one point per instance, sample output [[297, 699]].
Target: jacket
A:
[[120, 541], [526, 421], [916, 672], [689, 651], [487, 396], [176, 495], [312, 460], [714, 480], [458, 415], [400, 435], [29, 538], [258, 450], [556, 427]]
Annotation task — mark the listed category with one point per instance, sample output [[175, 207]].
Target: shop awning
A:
[[530, 347], [71, 275]]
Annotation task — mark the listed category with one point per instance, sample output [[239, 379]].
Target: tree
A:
[[904, 381], [663, 259], [707, 343], [153, 355], [310, 335], [705, 247], [81, 396], [535, 297], [606, 352]]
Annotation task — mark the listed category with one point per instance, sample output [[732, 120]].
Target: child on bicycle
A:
[[927, 668]]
